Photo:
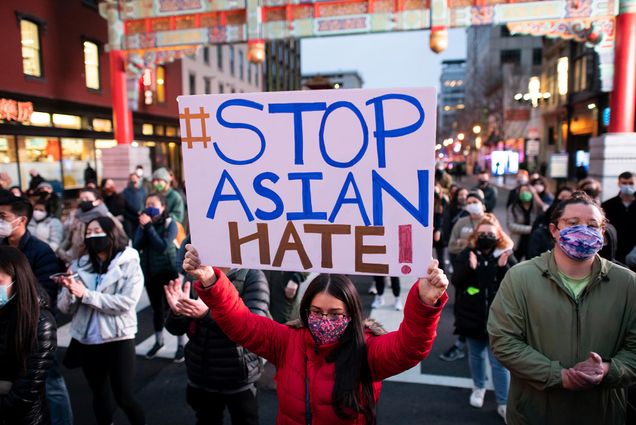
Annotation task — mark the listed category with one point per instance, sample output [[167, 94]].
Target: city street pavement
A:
[[435, 392]]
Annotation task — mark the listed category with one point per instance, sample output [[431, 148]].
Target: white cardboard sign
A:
[[336, 181]]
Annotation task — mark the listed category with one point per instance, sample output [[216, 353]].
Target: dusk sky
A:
[[398, 59]]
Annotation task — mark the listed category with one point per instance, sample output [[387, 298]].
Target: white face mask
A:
[[139, 172], [39, 215], [6, 228], [474, 209]]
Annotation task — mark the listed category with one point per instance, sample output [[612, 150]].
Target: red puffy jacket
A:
[[288, 349]]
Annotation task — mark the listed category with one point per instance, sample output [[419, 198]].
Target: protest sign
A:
[[336, 181]]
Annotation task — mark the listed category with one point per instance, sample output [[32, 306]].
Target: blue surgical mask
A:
[[4, 294], [152, 212]]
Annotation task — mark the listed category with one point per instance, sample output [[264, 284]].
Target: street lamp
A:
[[460, 136], [476, 129]]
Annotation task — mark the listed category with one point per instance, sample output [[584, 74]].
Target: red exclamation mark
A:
[[405, 247]]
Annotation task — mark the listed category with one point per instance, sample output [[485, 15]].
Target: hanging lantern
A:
[[256, 51], [438, 40]]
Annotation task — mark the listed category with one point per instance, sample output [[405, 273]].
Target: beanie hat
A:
[[161, 174], [477, 194]]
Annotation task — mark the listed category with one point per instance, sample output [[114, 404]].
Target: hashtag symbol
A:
[[189, 139]]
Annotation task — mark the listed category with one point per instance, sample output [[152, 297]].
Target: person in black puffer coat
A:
[[154, 239], [28, 340], [479, 270], [220, 373]]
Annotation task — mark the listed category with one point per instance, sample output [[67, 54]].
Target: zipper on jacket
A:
[[578, 331]]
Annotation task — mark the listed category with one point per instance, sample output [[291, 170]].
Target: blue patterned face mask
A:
[[4, 294], [580, 242]]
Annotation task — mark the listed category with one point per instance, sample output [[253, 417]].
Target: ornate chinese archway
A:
[[143, 33]]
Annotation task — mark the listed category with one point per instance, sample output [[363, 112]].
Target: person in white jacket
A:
[[101, 293], [45, 226]]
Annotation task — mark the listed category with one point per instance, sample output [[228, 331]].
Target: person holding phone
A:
[[28, 341], [102, 300]]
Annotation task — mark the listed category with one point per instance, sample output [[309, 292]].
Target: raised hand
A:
[[503, 258], [175, 292], [433, 286], [192, 265]]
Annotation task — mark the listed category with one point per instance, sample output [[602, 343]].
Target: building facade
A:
[[282, 65], [451, 98], [499, 66], [577, 109], [333, 80], [55, 98], [218, 69]]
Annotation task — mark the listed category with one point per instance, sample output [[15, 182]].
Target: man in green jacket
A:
[[564, 324], [174, 202]]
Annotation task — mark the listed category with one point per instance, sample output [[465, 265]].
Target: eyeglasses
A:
[[328, 316], [575, 222]]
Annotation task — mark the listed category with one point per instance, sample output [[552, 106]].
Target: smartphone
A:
[[64, 274]]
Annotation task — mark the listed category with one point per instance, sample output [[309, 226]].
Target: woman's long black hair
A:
[[25, 313], [353, 389], [118, 242]]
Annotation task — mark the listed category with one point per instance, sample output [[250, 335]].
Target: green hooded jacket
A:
[[537, 328]]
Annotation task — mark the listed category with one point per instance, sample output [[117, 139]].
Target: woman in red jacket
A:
[[330, 369]]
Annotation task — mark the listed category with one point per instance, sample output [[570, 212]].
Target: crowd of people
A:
[[546, 299]]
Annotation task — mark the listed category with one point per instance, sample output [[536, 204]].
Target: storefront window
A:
[[41, 154], [77, 154], [67, 121], [40, 119], [100, 124], [9, 159]]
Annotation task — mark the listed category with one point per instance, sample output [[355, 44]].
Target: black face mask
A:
[[486, 242], [483, 182], [97, 244], [86, 206]]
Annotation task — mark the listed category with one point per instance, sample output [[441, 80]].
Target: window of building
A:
[[161, 83], [219, 57], [537, 56], [231, 60], [41, 154], [40, 119], [206, 55], [241, 64], [221, 88], [249, 72], [147, 129], [91, 65], [207, 84], [31, 54], [192, 83], [100, 124], [73, 122], [9, 158], [511, 56], [75, 154]]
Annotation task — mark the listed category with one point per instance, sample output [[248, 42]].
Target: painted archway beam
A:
[[227, 21]]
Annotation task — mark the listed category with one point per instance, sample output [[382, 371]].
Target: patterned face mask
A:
[[327, 331], [580, 242]]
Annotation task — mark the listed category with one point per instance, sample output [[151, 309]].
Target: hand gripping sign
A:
[[333, 181]]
